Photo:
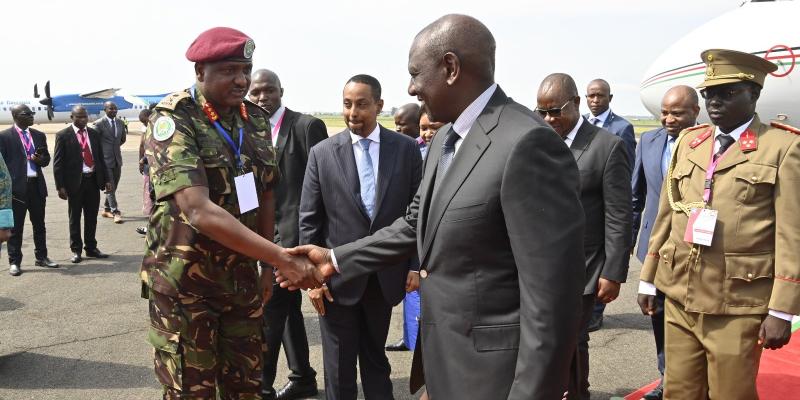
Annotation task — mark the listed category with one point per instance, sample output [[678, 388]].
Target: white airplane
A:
[[58, 108], [767, 29]]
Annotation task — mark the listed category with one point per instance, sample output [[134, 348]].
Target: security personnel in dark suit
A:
[[724, 246], [25, 152], [605, 173], [80, 174], [293, 135]]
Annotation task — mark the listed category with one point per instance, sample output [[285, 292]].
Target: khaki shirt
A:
[[752, 264]]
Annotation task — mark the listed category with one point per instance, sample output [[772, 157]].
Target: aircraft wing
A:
[[101, 94]]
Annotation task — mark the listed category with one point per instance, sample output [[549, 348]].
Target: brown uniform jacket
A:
[[752, 264]]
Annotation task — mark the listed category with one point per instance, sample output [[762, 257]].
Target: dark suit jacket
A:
[[112, 152], [646, 184], [605, 196], [298, 133], [501, 242], [621, 127], [332, 213], [16, 159], [68, 161]]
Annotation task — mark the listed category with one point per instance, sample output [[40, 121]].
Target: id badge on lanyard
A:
[[244, 183], [702, 221]]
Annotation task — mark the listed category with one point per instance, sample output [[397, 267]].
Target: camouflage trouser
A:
[[206, 347]]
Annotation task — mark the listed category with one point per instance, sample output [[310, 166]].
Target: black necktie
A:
[[448, 151], [725, 140]]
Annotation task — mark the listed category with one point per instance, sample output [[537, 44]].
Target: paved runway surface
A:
[[78, 332]]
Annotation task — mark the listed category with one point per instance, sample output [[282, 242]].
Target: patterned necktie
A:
[[667, 156], [448, 151], [367, 177], [85, 152], [725, 140]]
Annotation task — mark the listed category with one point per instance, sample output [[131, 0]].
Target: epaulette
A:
[[250, 103], [171, 101], [703, 136], [696, 127], [785, 127]]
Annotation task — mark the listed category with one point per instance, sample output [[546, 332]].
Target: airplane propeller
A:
[[47, 101], [35, 91]]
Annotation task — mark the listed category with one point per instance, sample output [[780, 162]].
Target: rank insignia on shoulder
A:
[[169, 102], [696, 127], [748, 141], [700, 139], [785, 127], [163, 128]]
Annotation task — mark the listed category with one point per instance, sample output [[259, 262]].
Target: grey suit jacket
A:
[[111, 143], [646, 183], [605, 196], [501, 243], [332, 213]]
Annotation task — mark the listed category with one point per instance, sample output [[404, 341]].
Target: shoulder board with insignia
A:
[[696, 127], [169, 102], [785, 127], [700, 139]]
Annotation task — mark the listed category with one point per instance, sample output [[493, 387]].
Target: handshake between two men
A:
[[309, 268]]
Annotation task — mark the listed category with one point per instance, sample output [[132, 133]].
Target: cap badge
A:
[[249, 47]]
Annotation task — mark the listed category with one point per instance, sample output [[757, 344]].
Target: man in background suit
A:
[[605, 195], [598, 98], [80, 173], [113, 133], [498, 226], [357, 182], [679, 110], [293, 135], [25, 153]]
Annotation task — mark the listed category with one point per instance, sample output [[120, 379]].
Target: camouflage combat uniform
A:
[[6, 213], [205, 302]]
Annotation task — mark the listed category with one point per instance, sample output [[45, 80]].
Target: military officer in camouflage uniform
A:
[[731, 271], [212, 166]]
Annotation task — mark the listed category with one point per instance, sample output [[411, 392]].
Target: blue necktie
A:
[[448, 151], [29, 145], [367, 177], [667, 156]]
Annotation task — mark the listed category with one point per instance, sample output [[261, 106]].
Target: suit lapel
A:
[[283, 133], [701, 154], [387, 156], [347, 162], [656, 151], [582, 139], [469, 152], [429, 178]]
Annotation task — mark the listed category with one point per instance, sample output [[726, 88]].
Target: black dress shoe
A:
[[46, 262], [656, 394], [297, 390], [76, 258], [268, 394], [399, 346], [595, 323], [95, 253]]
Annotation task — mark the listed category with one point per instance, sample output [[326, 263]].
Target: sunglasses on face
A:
[[721, 93], [27, 113], [553, 112]]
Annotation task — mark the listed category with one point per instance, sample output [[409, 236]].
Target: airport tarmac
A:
[[78, 332]]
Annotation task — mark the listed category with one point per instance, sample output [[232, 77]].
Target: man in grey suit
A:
[[113, 133], [356, 182], [679, 110], [598, 98], [605, 195], [498, 227]]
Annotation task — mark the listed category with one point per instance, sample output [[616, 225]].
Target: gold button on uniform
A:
[[749, 275], [754, 178], [423, 274]]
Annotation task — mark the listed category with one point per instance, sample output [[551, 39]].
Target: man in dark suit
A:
[[679, 110], [25, 153], [356, 182], [293, 135], [80, 174], [498, 226], [605, 195], [598, 98], [113, 133]]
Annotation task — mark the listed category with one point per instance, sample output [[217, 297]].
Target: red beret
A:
[[221, 43]]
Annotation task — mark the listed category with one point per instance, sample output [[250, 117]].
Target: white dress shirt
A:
[[273, 122], [574, 132], [601, 119], [86, 168]]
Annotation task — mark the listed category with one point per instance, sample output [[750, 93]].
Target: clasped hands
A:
[[304, 267]]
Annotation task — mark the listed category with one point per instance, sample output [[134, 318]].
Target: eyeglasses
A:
[[553, 112], [27, 113], [720, 92]]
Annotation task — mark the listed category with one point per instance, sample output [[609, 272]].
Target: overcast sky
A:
[[315, 46]]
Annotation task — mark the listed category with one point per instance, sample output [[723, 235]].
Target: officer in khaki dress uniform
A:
[[213, 167], [726, 299]]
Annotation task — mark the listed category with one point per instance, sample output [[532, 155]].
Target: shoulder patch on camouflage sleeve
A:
[[163, 128], [171, 101], [785, 127]]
